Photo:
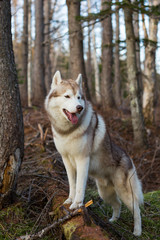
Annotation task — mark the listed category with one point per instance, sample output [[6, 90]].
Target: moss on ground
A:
[[14, 222], [69, 228]]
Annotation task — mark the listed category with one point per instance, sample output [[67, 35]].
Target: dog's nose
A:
[[79, 108]]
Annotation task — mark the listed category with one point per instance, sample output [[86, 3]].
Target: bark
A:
[[39, 90], [117, 79], [15, 27], [29, 65], [89, 64], [149, 77], [106, 82], [47, 62], [135, 104], [137, 38], [55, 53], [23, 86], [76, 43], [96, 67], [11, 121]]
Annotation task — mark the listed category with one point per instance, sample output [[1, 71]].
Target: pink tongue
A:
[[73, 118]]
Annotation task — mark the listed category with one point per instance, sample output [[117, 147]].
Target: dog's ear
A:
[[56, 79], [79, 80]]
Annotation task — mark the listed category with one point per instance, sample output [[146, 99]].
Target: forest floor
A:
[[43, 186]]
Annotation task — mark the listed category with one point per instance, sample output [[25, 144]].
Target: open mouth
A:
[[72, 117]]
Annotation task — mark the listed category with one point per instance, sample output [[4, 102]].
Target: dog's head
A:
[[67, 96]]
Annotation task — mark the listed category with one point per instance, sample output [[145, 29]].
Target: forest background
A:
[[115, 45], [91, 39]]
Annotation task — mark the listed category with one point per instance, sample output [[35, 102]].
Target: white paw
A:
[[137, 232], [68, 201], [113, 219], [76, 205]]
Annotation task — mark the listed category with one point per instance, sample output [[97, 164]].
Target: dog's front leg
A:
[[82, 166], [71, 174]]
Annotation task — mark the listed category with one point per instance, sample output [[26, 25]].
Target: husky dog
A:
[[81, 137]]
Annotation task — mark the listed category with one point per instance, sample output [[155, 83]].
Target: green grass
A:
[[14, 222], [123, 228], [151, 216]]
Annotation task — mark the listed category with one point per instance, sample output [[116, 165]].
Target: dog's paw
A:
[[76, 205], [68, 201], [113, 219], [137, 232]]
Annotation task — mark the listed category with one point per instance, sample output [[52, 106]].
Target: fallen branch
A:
[[36, 225], [45, 230]]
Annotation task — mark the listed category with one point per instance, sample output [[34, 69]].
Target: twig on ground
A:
[[47, 177], [32, 140], [29, 194], [45, 209], [157, 148], [45, 230]]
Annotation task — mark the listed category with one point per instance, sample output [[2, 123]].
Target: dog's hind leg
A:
[[108, 194], [130, 194], [131, 202]]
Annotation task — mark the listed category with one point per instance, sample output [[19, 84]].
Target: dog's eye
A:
[[67, 96], [78, 97]]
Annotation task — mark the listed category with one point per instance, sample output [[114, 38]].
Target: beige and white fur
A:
[[81, 137]]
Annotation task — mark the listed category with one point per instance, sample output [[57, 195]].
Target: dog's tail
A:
[[136, 186]]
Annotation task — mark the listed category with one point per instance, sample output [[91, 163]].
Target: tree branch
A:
[[45, 230]]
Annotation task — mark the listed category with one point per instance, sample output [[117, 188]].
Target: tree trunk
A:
[[149, 77], [106, 82], [15, 29], [47, 62], [76, 43], [23, 86], [117, 78], [55, 53], [39, 90], [137, 38], [11, 120], [29, 65], [89, 65], [96, 67], [136, 109]]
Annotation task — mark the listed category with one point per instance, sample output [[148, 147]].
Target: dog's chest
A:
[[69, 146]]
